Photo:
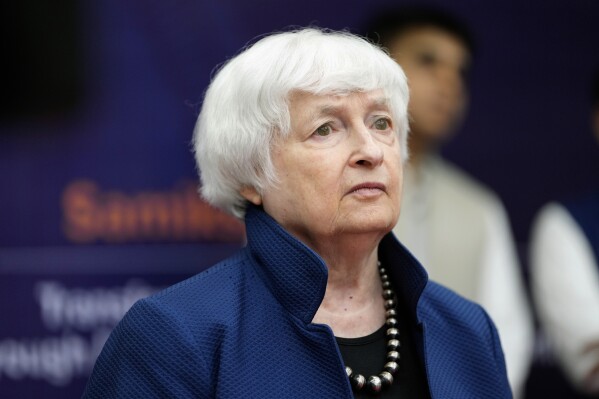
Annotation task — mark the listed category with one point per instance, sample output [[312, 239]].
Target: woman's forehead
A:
[[326, 104]]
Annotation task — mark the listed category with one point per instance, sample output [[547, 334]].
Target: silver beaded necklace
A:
[[376, 383]]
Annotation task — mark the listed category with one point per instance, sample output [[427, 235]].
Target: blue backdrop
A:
[[98, 203]]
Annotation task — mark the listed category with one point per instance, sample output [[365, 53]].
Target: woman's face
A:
[[339, 170]]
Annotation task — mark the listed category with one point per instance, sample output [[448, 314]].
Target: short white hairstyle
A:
[[246, 106]]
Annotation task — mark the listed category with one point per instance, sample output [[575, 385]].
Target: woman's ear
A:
[[250, 194]]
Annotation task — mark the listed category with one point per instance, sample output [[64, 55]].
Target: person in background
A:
[[565, 279], [303, 137], [457, 227]]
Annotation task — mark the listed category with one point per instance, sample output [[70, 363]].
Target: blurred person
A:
[[565, 279], [303, 136], [454, 225]]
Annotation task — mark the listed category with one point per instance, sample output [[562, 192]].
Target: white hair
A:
[[246, 105]]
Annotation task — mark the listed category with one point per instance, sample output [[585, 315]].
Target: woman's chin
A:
[[370, 222]]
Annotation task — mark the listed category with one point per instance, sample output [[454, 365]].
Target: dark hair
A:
[[388, 24]]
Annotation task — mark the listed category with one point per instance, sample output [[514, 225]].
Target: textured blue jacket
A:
[[242, 329]]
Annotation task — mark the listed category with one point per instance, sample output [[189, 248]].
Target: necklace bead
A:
[[374, 383], [391, 367], [392, 333], [391, 322], [392, 356], [386, 379], [358, 381]]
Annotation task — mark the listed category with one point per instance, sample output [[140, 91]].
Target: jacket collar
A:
[[297, 276], [406, 273]]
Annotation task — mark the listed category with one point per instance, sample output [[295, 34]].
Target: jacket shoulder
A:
[[164, 345], [217, 281], [446, 306], [211, 302], [462, 337]]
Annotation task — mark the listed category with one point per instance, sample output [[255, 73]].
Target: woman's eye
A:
[[381, 124], [323, 130]]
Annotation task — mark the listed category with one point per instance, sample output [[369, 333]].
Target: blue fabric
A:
[[242, 329], [585, 212]]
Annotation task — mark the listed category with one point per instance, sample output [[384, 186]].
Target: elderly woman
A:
[[303, 136]]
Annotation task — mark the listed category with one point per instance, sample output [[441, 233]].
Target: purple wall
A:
[[97, 204]]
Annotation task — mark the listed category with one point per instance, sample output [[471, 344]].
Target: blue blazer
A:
[[243, 329]]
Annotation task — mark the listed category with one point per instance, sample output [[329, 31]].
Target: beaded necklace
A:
[[376, 383]]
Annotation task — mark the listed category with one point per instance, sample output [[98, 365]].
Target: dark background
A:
[[108, 92]]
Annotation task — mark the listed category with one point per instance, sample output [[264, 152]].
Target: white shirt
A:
[[460, 232], [565, 286]]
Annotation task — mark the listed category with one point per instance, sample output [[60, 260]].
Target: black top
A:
[[367, 356]]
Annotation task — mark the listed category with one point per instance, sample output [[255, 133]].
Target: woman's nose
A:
[[367, 150]]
